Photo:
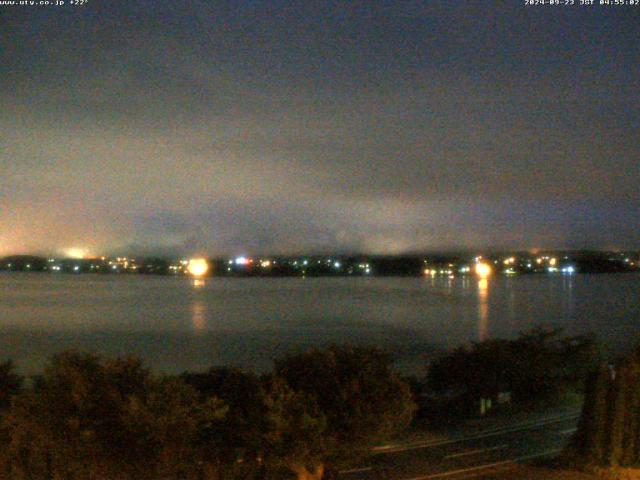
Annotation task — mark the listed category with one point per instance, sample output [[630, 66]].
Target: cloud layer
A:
[[238, 127]]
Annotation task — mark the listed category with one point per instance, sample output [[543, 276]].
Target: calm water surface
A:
[[177, 324]]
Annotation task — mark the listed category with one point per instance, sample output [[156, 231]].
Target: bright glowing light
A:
[[552, 262], [483, 269], [265, 263], [198, 267], [242, 261], [337, 264], [75, 253], [568, 269]]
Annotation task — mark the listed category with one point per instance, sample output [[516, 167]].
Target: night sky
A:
[[205, 127]]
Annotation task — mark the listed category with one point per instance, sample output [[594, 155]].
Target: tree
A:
[[617, 417], [594, 422], [357, 392], [631, 440], [294, 436], [238, 439], [90, 418], [609, 428], [10, 383], [536, 365]]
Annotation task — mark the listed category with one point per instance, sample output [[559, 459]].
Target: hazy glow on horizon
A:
[[77, 253], [281, 127]]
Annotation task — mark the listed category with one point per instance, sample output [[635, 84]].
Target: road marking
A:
[[394, 448], [479, 450], [487, 465], [496, 470], [462, 470], [568, 431], [532, 423], [355, 470]]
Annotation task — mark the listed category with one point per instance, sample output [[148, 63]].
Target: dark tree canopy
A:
[[362, 398], [88, 417], [10, 383], [609, 428], [536, 365]]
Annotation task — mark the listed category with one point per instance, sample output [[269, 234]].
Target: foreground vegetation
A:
[[609, 430], [541, 366], [88, 417]]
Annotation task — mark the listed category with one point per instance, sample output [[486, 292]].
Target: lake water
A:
[[176, 324]]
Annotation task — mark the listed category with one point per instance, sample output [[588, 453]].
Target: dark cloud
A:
[[232, 127]]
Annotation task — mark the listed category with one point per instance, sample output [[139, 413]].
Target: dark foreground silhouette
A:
[[89, 417]]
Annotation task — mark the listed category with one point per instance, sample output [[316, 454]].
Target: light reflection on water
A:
[[185, 323], [483, 308], [199, 315]]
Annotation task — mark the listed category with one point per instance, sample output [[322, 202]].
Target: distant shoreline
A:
[[446, 265]]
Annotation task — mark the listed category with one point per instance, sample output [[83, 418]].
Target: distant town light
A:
[[483, 269], [197, 267], [242, 261]]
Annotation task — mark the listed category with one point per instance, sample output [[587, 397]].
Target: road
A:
[[470, 456]]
